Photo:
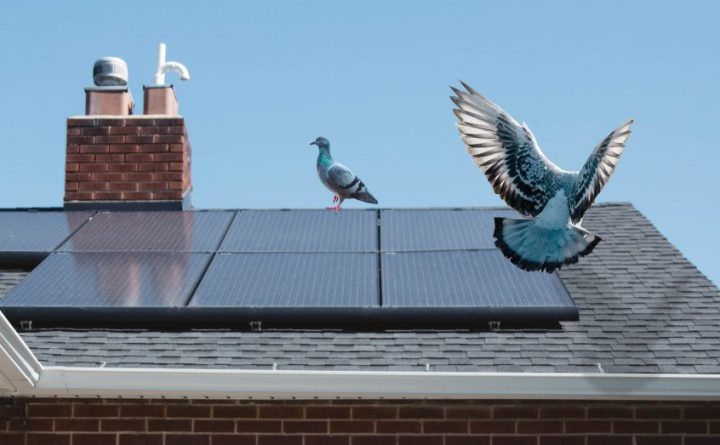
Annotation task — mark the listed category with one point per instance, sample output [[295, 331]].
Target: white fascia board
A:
[[18, 366], [266, 384]]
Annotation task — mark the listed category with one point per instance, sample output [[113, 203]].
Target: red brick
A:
[[80, 157], [659, 412], [492, 426], [305, 426], [715, 427], [111, 121], [138, 177], [539, 426], [659, 440], [259, 426], [140, 121], [94, 148], [588, 426], [685, 426], [214, 426], [636, 426], [124, 148], [79, 196], [143, 186], [175, 185], [139, 139], [153, 166], [515, 412], [140, 439], [177, 147], [12, 438], [81, 122], [445, 426], [168, 138], [170, 425], [467, 440], [107, 196], [610, 412], [468, 412], [169, 157], [74, 131], [420, 440], [47, 439], [562, 440], [373, 440], [140, 157], [187, 439], [281, 412], [280, 440], [94, 167], [610, 440], [122, 425], [702, 440], [175, 194], [92, 186], [514, 440], [352, 426], [326, 440], [188, 411], [72, 167], [116, 157], [29, 424], [95, 131], [698, 412], [77, 425], [123, 130], [420, 412], [136, 196], [174, 121], [142, 410], [108, 177], [233, 439], [122, 186], [399, 426], [315, 412], [154, 148], [178, 176], [374, 412], [107, 139], [122, 167], [175, 130], [71, 186], [79, 140], [176, 166], [49, 410], [94, 439], [79, 177]]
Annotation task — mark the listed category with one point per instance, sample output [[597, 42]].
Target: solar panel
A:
[[289, 280], [417, 230], [166, 231], [28, 236], [302, 231], [128, 279], [484, 280]]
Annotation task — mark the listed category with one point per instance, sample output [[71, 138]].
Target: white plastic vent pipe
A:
[[164, 66]]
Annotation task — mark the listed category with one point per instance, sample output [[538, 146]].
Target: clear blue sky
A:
[[269, 77]]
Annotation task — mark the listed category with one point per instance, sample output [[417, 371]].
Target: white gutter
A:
[[267, 384], [22, 375]]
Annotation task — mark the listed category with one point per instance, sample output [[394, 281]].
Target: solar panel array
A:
[[365, 266]]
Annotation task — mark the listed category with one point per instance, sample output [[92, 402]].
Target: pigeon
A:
[[338, 178], [554, 199]]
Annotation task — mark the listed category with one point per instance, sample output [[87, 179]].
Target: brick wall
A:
[[127, 159], [160, 422]]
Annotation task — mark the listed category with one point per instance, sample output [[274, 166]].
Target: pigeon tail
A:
[[532, 245], [366, 197]]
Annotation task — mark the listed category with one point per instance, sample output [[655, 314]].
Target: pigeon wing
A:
[[506, 152], [597, 170], [342, 179]]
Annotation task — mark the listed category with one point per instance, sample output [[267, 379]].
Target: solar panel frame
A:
[[302, 231], [157, 231], [407, 230]]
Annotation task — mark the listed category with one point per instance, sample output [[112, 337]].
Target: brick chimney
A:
[[118, 161]]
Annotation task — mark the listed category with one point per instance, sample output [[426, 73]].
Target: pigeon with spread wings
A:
[[519, 172]]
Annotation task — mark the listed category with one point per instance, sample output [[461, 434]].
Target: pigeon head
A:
[[321, 142]]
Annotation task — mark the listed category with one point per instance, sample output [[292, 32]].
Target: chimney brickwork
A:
[[128, 159]]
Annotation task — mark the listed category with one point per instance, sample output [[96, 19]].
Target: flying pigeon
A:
[[338, 178], [519, 172]]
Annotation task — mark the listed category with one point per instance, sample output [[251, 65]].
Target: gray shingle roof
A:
[[644, 308]]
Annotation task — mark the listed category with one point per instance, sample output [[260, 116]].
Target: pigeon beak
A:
[[313, 143]]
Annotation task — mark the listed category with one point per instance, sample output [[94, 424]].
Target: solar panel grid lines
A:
[[38, 231], [296, 231], [160, 231]]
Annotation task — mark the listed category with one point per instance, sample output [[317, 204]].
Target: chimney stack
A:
[[119, 161]]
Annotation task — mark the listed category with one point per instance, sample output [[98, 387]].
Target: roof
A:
[[644, 308]]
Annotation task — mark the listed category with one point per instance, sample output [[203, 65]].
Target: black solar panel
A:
[[289, 280], [417, 230], [28, 236], [466, 279], [151, 232], [85, 280], [302, 231]]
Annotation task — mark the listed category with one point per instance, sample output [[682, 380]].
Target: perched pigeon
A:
[[521, 174], [338, 178]]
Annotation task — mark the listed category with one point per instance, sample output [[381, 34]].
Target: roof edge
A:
[[286, 384]]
